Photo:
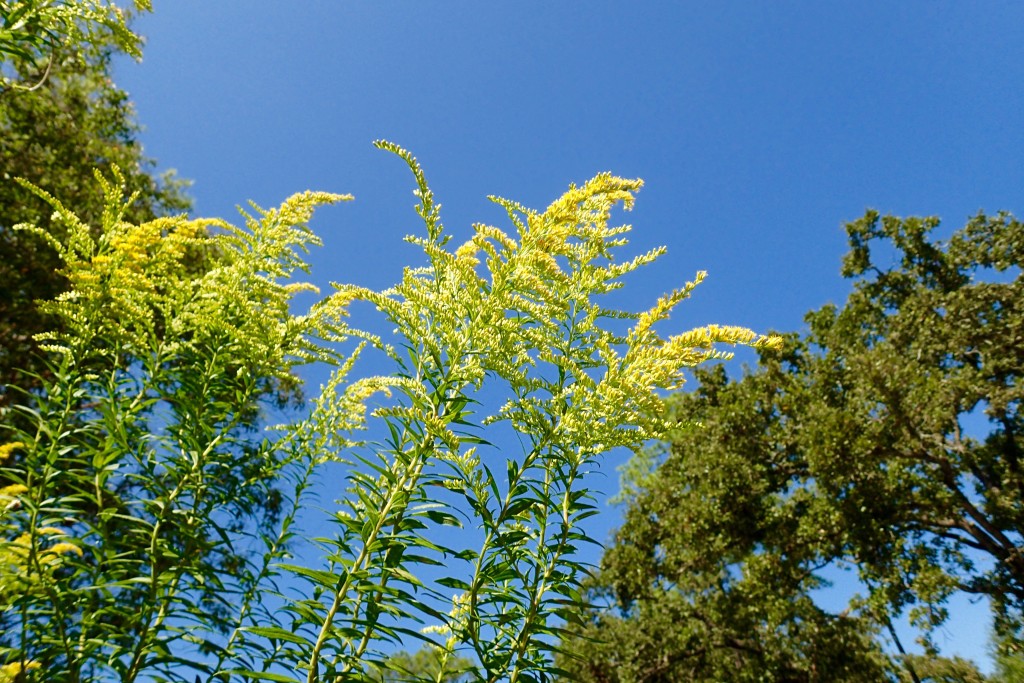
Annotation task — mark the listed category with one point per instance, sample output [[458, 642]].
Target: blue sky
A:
[[759, 129]]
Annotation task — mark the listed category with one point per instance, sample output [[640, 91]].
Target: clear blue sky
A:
[[759, 128]]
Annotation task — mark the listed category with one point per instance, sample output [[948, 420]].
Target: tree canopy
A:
[[856, 446]]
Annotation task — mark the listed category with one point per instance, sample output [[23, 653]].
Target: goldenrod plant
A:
[[138, 514], [42, 32], [69, 119], [143, 449]]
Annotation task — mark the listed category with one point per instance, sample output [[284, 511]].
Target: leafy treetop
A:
[[847, 447]]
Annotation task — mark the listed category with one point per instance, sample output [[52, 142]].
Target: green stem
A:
[[273, 552], [402, 490], [540, 587], [486, 547], [52, 454], [341, 593], [193, 476]]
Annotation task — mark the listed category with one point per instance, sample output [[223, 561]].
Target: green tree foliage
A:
[[1009, 668], [847, 447], [932, 669], [423, 664], [708, 578], [135, 540], [55, 135]]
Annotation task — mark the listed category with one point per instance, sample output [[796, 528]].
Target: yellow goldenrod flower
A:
[[10, 672], [60, 548], [12, 491], [51, 531], [8, 448]]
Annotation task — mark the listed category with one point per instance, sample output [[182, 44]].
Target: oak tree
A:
[[856, 446]]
